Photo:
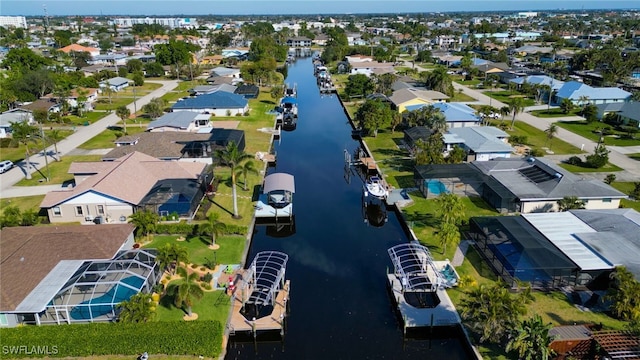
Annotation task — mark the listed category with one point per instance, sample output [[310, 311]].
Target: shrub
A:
[[207, 286], [175, 228], [207, 277], [209, 263], [238, 114], [574, 160], [536, 152], [194, 266], [196, 338]]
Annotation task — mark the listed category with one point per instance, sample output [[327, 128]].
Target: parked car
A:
[[5, 166]]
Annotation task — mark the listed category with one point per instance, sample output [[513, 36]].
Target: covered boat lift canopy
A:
[[279, 181], [415, 268], [264, 277]]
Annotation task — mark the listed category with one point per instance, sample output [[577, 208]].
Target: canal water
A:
[[339, 307]]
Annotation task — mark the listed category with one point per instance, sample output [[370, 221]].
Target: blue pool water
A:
[[103, 304], [436, 187]]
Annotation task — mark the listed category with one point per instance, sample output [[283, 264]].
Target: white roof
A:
[[561, 230], [42, 294]]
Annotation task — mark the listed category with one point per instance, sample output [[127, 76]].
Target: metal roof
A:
[[561, 229], [414, 265], [266, 273], [214, 100], [279, 181], [50, 285], [480, 141]]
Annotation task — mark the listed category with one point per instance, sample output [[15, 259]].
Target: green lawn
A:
[[584, 169], [588, 130], [116, 101], [553, 113], [58, 171], [23, 203], [470, 83], [105, 139], [89, 117], [538, 139], [627, 188], [214, 305], [461, 97], [635, 156], [230, 251], [505, 96]]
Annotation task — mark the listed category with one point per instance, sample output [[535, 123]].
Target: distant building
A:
[[169, 22], [13, 21]]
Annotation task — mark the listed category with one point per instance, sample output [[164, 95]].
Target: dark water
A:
[[340, 307]]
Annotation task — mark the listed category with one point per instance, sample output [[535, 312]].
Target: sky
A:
[[287, 7]]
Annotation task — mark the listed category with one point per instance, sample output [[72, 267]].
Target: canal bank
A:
[[340, 306]]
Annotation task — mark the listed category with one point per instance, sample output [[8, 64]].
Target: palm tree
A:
[[213, 227], [570, 202], [624, 294], [451, 208], [504, 111], [245, 169], [551, 132], [139, 308], [583, 100], [145, 221], [172, 255], [55, 136], [123, 113], [109, 91], [447, 235], [516, 105], [187, 290], [439, 80], [24, 134], [164, 257], [532, 339], [232, 157]]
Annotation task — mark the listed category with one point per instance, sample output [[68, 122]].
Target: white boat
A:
[[376, 187]]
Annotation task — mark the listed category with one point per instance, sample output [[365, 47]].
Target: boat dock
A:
[[443, 314], [274, 321], [266, 157]]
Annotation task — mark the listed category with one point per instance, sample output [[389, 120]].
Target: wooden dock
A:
[[273, 321], [265, 157], [368, 162]]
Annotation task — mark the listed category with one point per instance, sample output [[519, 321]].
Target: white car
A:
[[5, 166]]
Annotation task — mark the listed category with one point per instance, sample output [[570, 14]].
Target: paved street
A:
[[83, 133]]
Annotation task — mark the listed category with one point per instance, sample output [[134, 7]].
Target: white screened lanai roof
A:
[[279, 181], [562, 230]]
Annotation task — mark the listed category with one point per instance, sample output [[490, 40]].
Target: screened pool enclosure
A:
[[97, 287]]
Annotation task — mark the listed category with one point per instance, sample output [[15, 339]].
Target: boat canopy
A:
[[289, 100], [279, 181]]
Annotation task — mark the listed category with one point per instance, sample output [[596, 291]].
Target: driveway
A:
[[82, 134]]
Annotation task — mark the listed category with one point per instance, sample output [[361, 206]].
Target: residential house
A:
[[211, 60], [406, 97], [177, 145], [225, 72], [109, 59], [299, 41], [114, 190], [239, 53], [117, 83], [208, 89], [180, 121], [79, 48], [219, 103], [40, 267], [554, 250], [371, 67], [481, 143], [90, 94], [627, 113], [577, 91], [13, 116], [43, 104], [458, 115]]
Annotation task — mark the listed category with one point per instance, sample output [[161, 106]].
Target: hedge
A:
[[192, 229], [192, 338]]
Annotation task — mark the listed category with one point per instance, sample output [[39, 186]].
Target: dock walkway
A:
[[273, 321]]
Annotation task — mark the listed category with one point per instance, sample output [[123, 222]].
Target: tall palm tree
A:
[[532, 340], [171, 255], [448, 234], [24, 134], [244, 169], [584, 101], [551, 132], [145, 221], [439, 80], [187, 291], [232, 157], [504, 111], [139, 308], [213, 227], [451, 208], [123, 113], [516, 106], [624, 294], [55, 136]]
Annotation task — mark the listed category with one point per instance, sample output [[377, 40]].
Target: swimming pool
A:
[[435, 187], [105, 303]]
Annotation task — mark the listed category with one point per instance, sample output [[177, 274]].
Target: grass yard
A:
[[538, 139], [627, 188], [230, 252], [461, 97], [57, 169], [553, 113], [635, 156], [23, 203], [506, 95], [584, 169], [587, 130], [214, 305], [470, 83], [89, 117], [105, 139]]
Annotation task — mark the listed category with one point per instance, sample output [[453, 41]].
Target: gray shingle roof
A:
[[482, 139]]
